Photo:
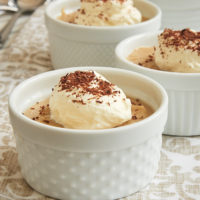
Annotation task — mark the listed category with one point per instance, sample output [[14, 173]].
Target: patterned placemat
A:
[[178, 176]]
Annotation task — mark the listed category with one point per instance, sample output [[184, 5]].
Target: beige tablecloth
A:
[[178, 176]]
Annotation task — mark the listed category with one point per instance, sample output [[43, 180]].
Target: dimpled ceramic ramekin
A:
[[72, 164], [77, 45], [182, 88]]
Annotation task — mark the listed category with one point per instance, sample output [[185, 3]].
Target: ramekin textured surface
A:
[[70, 175], [80, 53], [184, 113]]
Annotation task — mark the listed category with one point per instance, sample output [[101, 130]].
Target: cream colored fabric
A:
[[178, 176]]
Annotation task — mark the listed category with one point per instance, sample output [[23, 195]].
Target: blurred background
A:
[[179, 14]]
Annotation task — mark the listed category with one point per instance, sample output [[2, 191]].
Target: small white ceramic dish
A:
[[182, 88], [77, 45], [180, 14], [74, 164]]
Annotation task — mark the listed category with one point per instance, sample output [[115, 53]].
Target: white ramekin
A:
[[77, 45], [182, 88], [74, 164], [180, 14]]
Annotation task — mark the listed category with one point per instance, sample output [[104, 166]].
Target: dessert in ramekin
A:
[[87, 100], [80, 45], [104, 13], [93, 164], [183, 88]]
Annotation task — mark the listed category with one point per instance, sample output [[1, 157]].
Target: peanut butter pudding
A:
[[104, 13], [177, 51], [86, 100]]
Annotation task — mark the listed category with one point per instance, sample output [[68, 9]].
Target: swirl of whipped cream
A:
[[178, 51], [107, 13], [86, 100]]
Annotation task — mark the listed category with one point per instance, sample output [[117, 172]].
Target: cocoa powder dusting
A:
[[78, 101], [121, 1], [185, 38], [83, 81]]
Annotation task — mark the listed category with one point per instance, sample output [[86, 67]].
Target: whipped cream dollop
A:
[[178, 51], [105, 13], [86, 100]]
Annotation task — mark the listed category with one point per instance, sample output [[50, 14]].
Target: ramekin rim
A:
[[106, 28], [87, 132]]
